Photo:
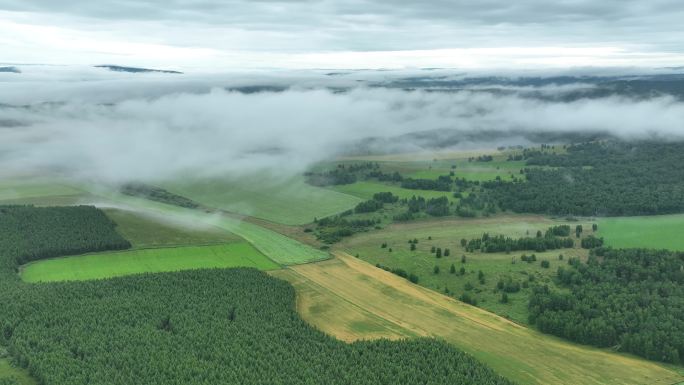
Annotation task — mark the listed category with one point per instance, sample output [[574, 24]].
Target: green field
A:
[[288, 201], [114, 264], [145, 231], [659, 232], [281, 249], [14, 189], [366, 189], [433, 168], [277, 247], [447, 233]]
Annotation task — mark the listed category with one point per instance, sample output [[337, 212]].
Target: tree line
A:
[[158, 194], [500, 243]]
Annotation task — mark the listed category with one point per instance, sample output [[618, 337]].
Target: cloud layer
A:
[[154, 130]]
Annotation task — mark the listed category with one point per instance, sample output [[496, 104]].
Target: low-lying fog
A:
[[118, 127]]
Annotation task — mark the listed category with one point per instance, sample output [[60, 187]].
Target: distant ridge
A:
[[14, 70], [134, 69]]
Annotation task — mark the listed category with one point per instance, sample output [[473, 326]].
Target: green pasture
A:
[[658, 232], [114, 264], [289, 201], [366, 189], [474, 171], [278, 247], [447, 233]]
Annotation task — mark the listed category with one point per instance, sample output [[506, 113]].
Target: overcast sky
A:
[[213, 35]]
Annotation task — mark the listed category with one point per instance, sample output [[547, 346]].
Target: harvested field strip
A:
[[517, 352]]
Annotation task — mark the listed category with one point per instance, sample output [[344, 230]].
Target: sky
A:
[[212, 35]]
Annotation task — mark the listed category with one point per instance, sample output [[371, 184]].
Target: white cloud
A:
[[149, 130]]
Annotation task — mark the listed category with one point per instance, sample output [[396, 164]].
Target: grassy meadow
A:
[[351, 299], [447, 233], [288, 201], [115, 264], [281, 249], [366, 189], [658, 232], [474, 171], [146, 231]]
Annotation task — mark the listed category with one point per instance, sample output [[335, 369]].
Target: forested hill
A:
[[117, 68], [599, 178], [221, 326]]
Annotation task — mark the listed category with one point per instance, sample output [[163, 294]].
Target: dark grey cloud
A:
[[397, 24], [248, 11]]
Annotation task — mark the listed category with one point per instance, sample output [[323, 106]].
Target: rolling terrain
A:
[[289, 201], [378, 303], [447, 234], [269, 228]]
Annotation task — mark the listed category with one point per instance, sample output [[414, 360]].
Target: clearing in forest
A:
[[10, 372], [464, 278]]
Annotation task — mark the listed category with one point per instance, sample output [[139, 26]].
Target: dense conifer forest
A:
[[35, 233], [236, 326], [599, 178], [632, 300]]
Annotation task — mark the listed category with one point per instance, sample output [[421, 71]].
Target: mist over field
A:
[[116, 127]]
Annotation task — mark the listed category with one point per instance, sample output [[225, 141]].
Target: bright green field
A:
[[366, 189], [659, 232], [291, 201], [447, 233], [279, 248], [113, 264]]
